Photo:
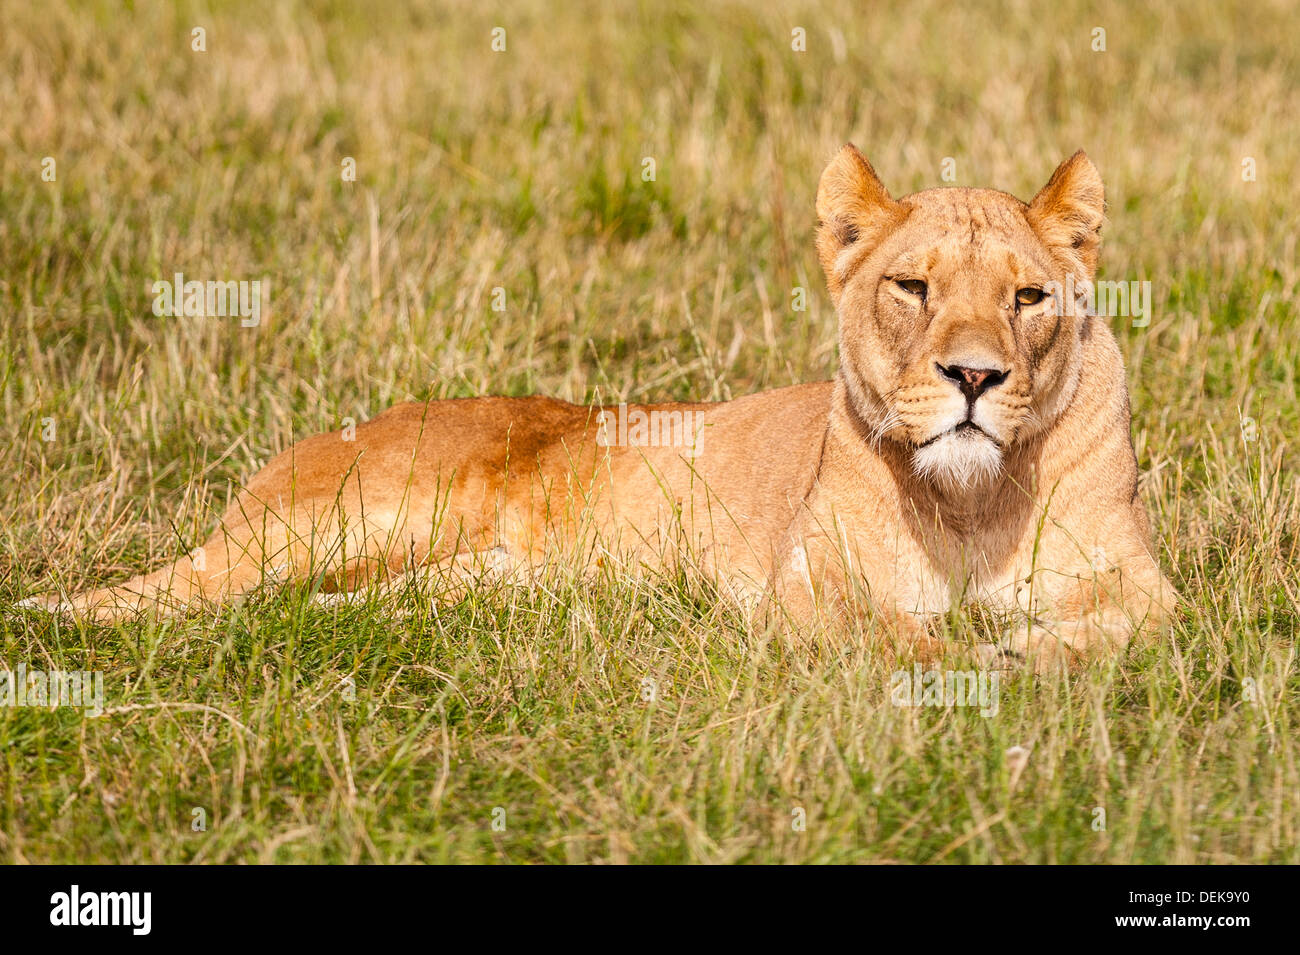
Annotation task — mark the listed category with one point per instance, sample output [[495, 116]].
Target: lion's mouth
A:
[[966, 427]]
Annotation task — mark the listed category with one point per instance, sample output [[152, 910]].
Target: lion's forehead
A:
[[956, 207], [971, 231]]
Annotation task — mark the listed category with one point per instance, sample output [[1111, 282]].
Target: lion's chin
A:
[[960, 459]]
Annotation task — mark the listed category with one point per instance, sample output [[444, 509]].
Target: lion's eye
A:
[[1030, 296], [912, 287]]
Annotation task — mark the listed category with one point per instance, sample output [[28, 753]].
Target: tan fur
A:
[[845, 496]]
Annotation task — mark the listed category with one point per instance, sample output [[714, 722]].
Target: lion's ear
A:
[[852, 207], [1067, 214]]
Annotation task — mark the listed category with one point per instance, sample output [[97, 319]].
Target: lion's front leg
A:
[[818, 588], [1089, 612]]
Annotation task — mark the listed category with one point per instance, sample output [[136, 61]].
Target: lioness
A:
[[974, 446]]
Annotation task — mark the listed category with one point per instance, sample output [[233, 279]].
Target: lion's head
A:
[[955, 340]]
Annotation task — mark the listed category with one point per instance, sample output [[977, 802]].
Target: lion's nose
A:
[[973, 382]]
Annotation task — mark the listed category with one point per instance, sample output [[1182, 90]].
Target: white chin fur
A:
[[958, 460]]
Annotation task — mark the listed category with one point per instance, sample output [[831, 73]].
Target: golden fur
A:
[[972, 447]]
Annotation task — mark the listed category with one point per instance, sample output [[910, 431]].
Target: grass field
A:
[[375, 733]]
